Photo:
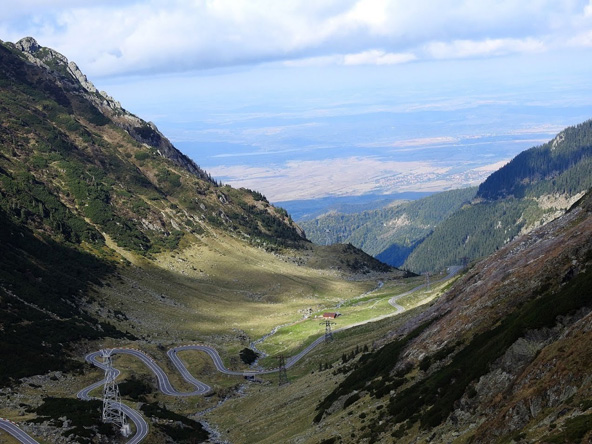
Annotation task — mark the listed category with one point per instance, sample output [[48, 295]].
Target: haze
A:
[[336, 98]]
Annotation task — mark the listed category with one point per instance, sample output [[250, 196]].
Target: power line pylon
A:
[[328, 332], [283, 374], [112, 411]]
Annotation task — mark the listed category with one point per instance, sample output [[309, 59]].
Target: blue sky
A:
[[303, 99]]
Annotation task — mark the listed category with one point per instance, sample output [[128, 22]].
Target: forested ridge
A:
[[388, 233], [535, 187], [543, 169]]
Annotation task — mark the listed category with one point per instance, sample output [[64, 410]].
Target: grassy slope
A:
[[220, 289], [80, 184], [510, 299]]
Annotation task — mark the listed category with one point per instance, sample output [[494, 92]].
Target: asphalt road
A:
[[201, 388], [133, 415], [14, 430], [394, 300]]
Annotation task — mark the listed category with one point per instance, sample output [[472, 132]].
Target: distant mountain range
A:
[[109, 237], [390, 233], [450, 228]]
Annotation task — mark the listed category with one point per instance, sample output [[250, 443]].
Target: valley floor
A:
[[205, 294]]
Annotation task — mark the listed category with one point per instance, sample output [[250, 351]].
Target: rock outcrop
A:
[[68, 72]]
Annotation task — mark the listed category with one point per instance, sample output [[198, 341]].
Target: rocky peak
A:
[[68, 73], [53, 61], [41, 56], [78, 75], [28, 45]]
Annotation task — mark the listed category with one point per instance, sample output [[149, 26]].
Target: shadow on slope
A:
[[41, 285]]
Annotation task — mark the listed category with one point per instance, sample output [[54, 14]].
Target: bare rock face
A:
[[78, 75], [55, 62], [70, 74], [39, 55], [28, 45]]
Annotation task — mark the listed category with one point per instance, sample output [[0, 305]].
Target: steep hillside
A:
[[43, 286], [503, 356], [535, 187], [79, 167], [560, 166], [96, 203], [391, 233]]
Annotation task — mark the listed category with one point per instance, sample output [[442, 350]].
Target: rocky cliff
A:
[[69, 75], [504, 356]]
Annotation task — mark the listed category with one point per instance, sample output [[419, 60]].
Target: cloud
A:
[[489, 47], [377, 57], [137, 36], [369, 57]]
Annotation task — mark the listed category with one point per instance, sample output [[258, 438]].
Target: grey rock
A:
[[81, 78]]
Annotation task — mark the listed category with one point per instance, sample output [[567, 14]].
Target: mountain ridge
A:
[[86, 183], [105, 242], [535, 187], [144, 132], [466, 369], [392, 232]]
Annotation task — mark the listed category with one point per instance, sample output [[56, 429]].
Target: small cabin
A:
[[330, 315]]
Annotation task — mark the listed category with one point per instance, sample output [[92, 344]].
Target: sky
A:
[[302, 99]]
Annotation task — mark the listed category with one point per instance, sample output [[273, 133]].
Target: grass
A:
[[5, 438], [221, 289], [291, 407], [225, 293], [291, 339], [189, 312]]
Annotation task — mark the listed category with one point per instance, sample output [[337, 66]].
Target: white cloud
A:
[[582, 40], [369, 57], [483, 48], [110, 36], [376, 57]]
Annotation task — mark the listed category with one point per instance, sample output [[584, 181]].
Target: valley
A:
[[111, 238], [357, 311]]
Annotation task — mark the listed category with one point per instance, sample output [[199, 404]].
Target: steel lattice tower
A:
[[283, 375], [328, 332], [112, 412]]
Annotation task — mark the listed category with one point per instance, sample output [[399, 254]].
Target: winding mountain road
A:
[[452, 271], [201, 388], [14, 430]]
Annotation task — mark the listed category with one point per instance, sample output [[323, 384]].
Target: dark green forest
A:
[[508, 201], [562, 166], [389, 233]]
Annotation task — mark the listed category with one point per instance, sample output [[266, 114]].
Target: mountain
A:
[[77, 166], [390, 233], [535, 187], [458, 226], [90, 195], [503, 356], [111, 238]]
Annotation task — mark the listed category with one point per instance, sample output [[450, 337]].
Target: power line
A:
[[112, 411], [328, 332], [283, 374]]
